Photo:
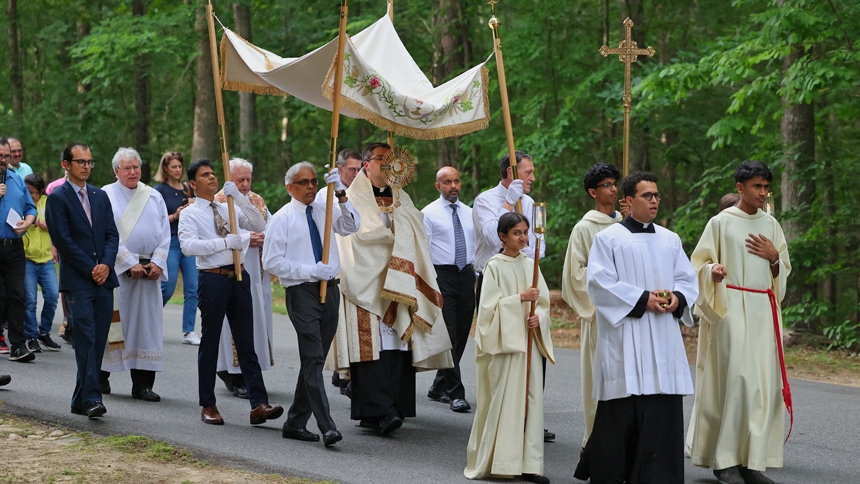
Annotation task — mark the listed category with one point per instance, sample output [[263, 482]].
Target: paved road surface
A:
[[824, 448]]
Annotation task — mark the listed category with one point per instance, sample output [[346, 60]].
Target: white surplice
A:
[[639, 356], [139, 302]]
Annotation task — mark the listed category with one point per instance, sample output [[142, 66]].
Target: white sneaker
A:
[[190, 339]]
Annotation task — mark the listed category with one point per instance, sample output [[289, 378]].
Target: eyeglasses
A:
[[304, 182], [130, 168], [378, 158], [649, 195], [83, 163], [5, 157], [607, 185]]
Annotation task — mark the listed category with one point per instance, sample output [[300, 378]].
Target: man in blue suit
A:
[[80, 220]]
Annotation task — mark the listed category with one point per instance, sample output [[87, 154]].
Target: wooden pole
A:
[[391, 16], [222, 131], [531, 330], [335, 127], [503, 90]]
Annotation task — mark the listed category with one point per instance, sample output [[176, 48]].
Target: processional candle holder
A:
[[769, 205], [539, 219]]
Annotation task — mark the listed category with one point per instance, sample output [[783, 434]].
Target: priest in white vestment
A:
[[499, 446], [641, 282], [141, 265], [241, 173], [391, 309], [738, 417], [601, 184]]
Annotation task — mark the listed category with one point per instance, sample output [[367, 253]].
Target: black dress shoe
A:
[[459, 405], [368, 423], [96, 410], [536, 478], [438, 397], [303, 434], [548, 436], [147, 395], [79, 410], [390, 424], [227, 378], [240, 392], [332, 437]]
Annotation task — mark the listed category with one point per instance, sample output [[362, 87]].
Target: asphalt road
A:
[[824, 447]]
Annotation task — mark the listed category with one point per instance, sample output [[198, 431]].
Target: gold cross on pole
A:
[[628, 52]]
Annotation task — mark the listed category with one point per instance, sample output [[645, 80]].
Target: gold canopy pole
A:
[[222, 131], [628, 52], [503, 90], [335, 126], [391, 16]]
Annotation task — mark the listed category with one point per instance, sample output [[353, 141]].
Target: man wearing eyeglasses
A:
[[640, 281], [601, 184], [14, 197], [80, 219], [15, 164], [136, 342]]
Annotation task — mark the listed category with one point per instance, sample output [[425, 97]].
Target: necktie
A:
[[220, 223], [459, 240], [86, 203], [315, 234]]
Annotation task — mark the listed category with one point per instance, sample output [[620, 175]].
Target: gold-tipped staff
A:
[[503, 90], [335, 127], [222, 131], [628, 52], [539, 228]]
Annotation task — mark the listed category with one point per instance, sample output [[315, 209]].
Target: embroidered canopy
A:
[[381, 83]]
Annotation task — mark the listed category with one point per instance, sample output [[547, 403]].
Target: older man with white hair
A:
[[242, 174], [141, 263]]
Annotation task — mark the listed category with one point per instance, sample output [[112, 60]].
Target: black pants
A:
[[13, 266], [315, 326], [383, 387], [636, 440], [140, 379], [217, 296], [458, 295]]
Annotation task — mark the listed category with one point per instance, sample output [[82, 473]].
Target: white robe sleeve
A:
[[613, 299], [501, 324], [685, 281]]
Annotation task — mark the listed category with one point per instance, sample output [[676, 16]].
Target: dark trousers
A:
[[91, 310], [636, 440], [219, 295], [383, 387], [458, 296], [13, 267], [315, 326], [140, 379]]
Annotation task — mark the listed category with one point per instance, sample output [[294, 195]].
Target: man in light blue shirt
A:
[[17, 151]]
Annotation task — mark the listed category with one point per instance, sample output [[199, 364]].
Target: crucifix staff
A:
[[222, 131], [628, 52]]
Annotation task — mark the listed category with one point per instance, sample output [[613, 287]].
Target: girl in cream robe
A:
[[498, 447]]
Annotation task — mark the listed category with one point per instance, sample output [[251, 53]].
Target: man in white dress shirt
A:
[[449, 227], [293, 252], [492, 204], [141, 265], [204, 233], [242, 174], [641, 282]]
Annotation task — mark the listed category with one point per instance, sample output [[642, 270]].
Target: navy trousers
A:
[[217, 296], [90, 311], [458, 309]]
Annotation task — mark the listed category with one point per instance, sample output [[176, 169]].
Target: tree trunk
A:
[[450, 63], [15, 78], [247, 100], [204, 143], [640, 135], [141, 104], [798, 144]]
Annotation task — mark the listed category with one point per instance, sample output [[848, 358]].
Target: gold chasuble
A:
[[738, 416], [498, 446]]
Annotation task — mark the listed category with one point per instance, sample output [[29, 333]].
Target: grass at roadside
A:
[[279, 303]]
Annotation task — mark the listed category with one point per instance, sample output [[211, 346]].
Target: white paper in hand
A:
[[13, 218]]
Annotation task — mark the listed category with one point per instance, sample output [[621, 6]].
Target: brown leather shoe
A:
[[264, 411], [211, 416]]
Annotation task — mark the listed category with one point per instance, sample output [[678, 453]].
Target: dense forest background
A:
[[774, 80]]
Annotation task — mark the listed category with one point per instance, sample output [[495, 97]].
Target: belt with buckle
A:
[[11, 241], [224, 271], [331, 282]]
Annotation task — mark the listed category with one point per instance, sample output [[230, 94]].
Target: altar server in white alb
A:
[[242, 173], [293, 252], [738, 420], [141, 265], [641, 282]]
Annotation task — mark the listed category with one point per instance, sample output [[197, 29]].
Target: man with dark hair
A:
[[601, 184], [204, 233], [14, 197], [81, 217], [737, 422], [640, 280], [492, 204]]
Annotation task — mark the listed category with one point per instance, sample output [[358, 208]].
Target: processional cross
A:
[[628, 52]]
